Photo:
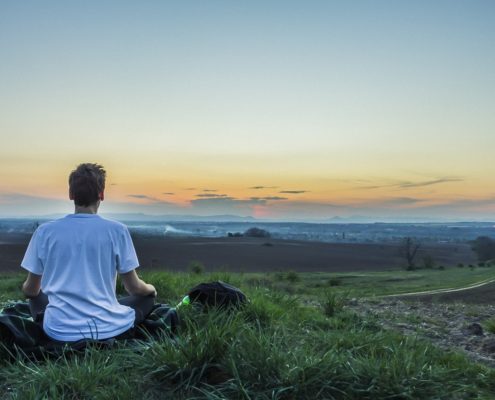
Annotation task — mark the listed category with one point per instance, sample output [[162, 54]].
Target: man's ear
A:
[[71, 196], [102, 195]]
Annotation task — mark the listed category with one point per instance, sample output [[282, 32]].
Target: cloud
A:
[[225, 205], [142, 196], [191, 188], [373, 187], [294, 191], [398, 201], [150, 199], [15, 198], [209, 190], [269, 198], [409, 184], [429, 183], [466, 203], [291, 210], [150, 208], [17, 204], [373, 208], [228, 201], [208, 195], [386, 208], [263, 187], [168, 193]]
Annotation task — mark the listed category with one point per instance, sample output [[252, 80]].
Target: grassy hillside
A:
[[294, 340]]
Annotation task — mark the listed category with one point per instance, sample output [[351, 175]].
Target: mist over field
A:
[[329, 232]]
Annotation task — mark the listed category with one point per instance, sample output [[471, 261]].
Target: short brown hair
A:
[[86, 183]]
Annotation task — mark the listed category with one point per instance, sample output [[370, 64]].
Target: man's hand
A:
[[151, 289], [136, 286]]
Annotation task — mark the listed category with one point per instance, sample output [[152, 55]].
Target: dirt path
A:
[[452, 319], [444, 291]]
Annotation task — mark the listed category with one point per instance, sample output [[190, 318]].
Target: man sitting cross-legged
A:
[[73, 264]]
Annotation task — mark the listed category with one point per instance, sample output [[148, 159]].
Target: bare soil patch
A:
[[253, 255], [452, 320], [450, 326]]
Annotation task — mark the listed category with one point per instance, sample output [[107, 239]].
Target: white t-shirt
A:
[[78, 257]]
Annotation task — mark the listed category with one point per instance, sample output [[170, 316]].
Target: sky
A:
[[273, 109]]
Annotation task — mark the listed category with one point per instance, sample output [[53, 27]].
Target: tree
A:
[[257, 232], [484, 247], [408, 249]]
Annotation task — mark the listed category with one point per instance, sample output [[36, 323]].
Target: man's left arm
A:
[[31, 287], [32, 262]]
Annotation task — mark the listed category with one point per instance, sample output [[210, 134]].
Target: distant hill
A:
[[146, 217]]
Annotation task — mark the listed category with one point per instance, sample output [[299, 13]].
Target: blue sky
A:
[[354, 104]]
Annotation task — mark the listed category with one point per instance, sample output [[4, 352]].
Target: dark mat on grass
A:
[[20, 334]]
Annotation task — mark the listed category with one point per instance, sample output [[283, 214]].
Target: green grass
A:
[[285, 344], [490, 325], [369, 284]]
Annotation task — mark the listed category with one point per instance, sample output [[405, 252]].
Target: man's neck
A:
[[91, 209]]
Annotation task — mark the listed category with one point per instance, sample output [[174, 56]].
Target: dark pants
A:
[[142, 305]]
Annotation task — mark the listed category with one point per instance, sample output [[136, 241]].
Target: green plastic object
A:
[[185, 301]]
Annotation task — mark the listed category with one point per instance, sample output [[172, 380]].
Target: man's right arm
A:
[[136, 286], [32, 285]]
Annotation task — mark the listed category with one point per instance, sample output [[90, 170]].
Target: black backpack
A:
[[217, 294]]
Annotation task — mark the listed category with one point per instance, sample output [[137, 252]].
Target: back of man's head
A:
[[86, 183]]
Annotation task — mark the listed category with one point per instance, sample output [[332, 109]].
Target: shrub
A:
[[292, 276], [257, 232], [332, 303], [279, 275], [490, 325], [236, 234], [460, 265], [428, 261], [196, 267], [441, 267], [334, 282]]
